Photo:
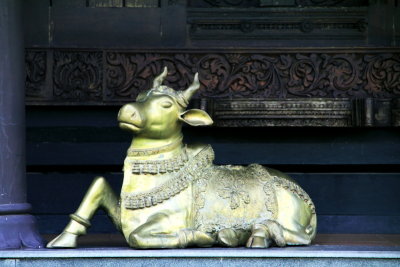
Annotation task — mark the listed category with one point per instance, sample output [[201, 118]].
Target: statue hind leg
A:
[[99, 195], [265, 233]]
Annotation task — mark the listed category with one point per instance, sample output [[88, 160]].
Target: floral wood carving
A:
[[237, 75], [35, 65], [77, 76]]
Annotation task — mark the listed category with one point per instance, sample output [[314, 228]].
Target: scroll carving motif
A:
[[128, 74], [383, 75], [238, 75], [77, 76]]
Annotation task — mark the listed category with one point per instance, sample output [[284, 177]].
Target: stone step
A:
[[327, 250], [315, 255]]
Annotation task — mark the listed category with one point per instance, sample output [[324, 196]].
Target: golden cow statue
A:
[[174, 197]]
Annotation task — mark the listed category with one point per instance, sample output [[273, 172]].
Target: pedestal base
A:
[[19, 231], [311, 256]]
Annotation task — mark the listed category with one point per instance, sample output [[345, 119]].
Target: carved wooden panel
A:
[[271, 24], [112, 77], [123, 3], [77, 76], [278, 75], [223, 3], [269, 3], [305, 112], [35, 68], [288, 112]]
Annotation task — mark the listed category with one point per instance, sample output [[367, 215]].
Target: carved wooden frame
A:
[[355, 87]]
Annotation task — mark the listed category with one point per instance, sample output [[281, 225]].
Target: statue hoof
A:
[[228, 237], [194, 238], [203, 240], [258, 242], [64, 240]]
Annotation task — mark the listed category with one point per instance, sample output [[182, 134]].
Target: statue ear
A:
[[196, 117]]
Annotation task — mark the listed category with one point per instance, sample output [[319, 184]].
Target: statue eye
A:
[[166, 104]]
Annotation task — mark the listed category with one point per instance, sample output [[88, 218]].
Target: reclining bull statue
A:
[[174, 197]]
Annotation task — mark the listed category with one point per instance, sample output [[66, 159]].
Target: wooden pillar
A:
[[17, 227]]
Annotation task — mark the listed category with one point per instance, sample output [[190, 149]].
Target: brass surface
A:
[[173, 196]]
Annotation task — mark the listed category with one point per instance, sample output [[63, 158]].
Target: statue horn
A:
[[159, 79], [188, 93]]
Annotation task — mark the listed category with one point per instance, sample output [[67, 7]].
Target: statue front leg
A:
[[229, 237], [99, 195], [157, 233]]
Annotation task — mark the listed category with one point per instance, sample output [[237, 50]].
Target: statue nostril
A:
[[133, 115]]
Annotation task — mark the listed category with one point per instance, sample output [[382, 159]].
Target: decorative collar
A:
[[154, 151], [157, 166], [180, 180]]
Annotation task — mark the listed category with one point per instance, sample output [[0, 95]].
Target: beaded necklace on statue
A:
[[132, 152]]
